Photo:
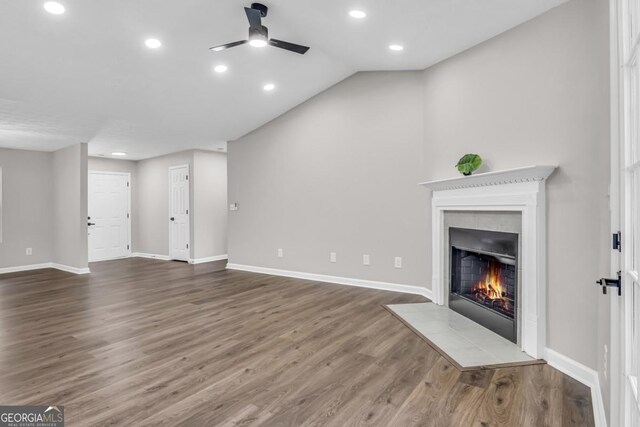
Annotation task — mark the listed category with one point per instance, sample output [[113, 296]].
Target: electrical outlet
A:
[[398, 262], [280, 253], [366, 260], [333, 257], [29, 251]]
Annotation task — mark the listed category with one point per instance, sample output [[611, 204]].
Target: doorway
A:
[[179, 223], [109, 215]]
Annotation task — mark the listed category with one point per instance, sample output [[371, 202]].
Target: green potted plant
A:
[[468, 164]]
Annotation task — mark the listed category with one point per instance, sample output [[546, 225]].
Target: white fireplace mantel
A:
[[516, 190], [509, 176]]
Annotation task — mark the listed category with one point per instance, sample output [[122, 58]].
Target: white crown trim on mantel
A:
[[509, 176]]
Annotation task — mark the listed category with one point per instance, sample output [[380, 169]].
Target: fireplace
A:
[[484, 278]]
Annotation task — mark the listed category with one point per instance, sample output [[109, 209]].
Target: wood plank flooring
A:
[[153, 343]]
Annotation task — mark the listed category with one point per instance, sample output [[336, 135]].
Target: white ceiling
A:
[[86, 76]]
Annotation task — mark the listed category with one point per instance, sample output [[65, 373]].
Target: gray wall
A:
[[152, 203], [27, 211], [340, 172], [101, 164], [70, 206], [337, 174], [209, 204]]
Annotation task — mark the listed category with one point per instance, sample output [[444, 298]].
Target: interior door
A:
[[109, 215], [179, 213], [626, 311]]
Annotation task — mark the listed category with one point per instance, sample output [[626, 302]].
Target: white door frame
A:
[[128, 176], [619, 219], [615, 368], [171, 168]]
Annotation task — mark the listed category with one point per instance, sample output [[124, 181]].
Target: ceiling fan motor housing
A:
[[260, 7], [259, 33]]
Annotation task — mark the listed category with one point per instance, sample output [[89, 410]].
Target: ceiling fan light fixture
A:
[[259, 34], [258, 37], [258, 42]]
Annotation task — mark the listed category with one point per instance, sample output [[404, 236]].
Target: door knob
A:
[[616, 283], [172, 219]]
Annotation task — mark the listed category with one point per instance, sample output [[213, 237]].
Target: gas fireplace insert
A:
[[484, 278]]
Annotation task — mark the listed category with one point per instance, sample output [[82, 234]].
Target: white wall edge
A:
[[208, 259], [586, 376], [68, 269], [151, 256], [384, 286]]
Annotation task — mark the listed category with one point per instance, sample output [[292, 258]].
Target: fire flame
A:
[[491, 287]]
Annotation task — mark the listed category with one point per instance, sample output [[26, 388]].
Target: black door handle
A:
[[616, 283], [172, 219], [91, 223]]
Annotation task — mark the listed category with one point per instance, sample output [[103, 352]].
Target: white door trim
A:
[[128, 176], [615, 365], [172, 168], [622, 50]]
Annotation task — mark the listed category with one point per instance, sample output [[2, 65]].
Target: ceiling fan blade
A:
[[289, 46], [228, 45], [255, 18]]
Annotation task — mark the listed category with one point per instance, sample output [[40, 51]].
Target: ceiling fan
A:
[[259, 34]]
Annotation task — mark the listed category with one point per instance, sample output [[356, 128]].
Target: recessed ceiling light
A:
[[396, 47], [153, 43], [269, 87], [358, 14], [54, 7], [220, 68], [118, 153]]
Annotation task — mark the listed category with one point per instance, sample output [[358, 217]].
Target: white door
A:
[[109, 216], [179, 213], [626, 309]]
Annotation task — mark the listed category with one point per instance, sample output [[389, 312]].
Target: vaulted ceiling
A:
[[87, 76]]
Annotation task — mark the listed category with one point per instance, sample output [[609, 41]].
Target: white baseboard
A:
[[61, 267], [586, 376], [385, 286], [69, 269], [208, 259], [19, 268], [151, 256]]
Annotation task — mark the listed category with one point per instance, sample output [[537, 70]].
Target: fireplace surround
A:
[[519, 190]]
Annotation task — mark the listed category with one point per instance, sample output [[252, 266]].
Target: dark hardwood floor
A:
[[144, 342]]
